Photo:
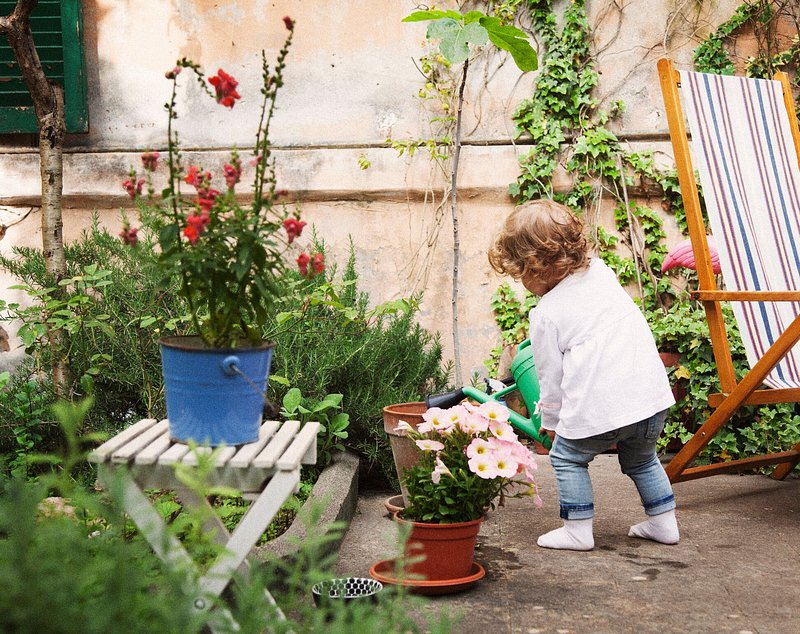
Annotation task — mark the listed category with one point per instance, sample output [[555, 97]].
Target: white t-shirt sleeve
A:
[[547, 356]]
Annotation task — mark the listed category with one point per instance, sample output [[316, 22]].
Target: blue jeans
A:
[[636, 446]]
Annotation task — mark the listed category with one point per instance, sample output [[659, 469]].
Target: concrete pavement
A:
[[736, 569]]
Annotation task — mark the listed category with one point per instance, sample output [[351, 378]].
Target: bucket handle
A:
[[230, 367]]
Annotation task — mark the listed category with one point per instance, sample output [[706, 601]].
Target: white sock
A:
[[574, 535], [660, 528]]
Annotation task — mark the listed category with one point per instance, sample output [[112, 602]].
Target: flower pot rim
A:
[[194, 343], [434, 525]]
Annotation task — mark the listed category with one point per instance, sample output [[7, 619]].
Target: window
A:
[[58, 33]]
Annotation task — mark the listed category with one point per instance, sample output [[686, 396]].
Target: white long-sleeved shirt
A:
[[595, 357]]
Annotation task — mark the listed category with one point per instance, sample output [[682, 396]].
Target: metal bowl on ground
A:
[[346, 589]]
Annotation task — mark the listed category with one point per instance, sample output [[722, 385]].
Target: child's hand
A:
[[551, 434]]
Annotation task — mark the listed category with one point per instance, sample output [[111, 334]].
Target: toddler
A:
[[600, 375]]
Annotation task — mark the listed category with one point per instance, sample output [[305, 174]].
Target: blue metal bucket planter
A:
[[214, 396]]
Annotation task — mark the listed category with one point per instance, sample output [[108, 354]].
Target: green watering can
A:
[[523, 375]]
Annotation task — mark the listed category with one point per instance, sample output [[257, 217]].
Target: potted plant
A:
[[469, 459], [229, 261]]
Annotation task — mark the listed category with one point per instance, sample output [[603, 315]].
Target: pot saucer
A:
[[394, 504], [383, 571]]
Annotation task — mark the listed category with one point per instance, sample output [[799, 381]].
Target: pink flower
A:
[[294, 227], [494, 411], [439, 470], [429, 445], [150, 161], [478, 447], [505, 464], [473, 423], [233, 173], [483, 466], [225, 86], [302, 263], [502, 430], [404, 427], [288, 23], [172, 74], [437, 418]]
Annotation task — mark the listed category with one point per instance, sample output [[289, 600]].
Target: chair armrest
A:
[[746, 296]]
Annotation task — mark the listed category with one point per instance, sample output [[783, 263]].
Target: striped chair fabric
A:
[[748, 166]]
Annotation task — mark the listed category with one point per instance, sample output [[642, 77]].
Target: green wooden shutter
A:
[[58, 33]]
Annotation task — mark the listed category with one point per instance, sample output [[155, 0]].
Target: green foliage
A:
[[456, 32], [755, 429], [763, 16], [23, 410], [112, 315], [75, 566], [566, 127], [511, 317], [325, 411], [374, 358]]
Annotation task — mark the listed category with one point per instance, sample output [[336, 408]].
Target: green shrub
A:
[[112, 309], [373, 360]]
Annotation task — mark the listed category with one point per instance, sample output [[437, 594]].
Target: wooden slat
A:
[[248, 452], [102, 453], [173, 455], [149, 455], [735, 466], [294, 454], [746, 296], [127, 451], [760, 397], [266, 459], [223, 455]]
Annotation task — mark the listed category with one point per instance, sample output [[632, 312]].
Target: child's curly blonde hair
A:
[[542, 238]]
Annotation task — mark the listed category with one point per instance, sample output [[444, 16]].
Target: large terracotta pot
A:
[[404, 451], [448, 549]]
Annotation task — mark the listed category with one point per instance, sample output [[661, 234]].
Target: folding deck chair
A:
[[747, 146]]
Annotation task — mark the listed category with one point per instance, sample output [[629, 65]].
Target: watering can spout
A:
[[448, 399]]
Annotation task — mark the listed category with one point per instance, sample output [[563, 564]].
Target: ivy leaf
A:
[[455, 38], [513, 40]]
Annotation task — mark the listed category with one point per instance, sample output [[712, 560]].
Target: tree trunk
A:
[[456, 236], [48, 103]]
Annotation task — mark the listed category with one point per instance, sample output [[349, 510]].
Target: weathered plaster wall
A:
[[351, 82]]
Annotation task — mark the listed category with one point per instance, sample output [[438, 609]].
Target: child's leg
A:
[[638, 460], [570, 460]]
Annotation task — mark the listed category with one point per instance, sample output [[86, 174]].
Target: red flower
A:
[[294, 228], [150, 161], [317, 265], [192, 176], [191, 233], [128, 235], [206, 198], [133, 188], [233, 173], [288, 23], [302, 263], [225, 85]]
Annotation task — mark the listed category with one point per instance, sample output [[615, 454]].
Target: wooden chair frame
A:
[[733, 395]]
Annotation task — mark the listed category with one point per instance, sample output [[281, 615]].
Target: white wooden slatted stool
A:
[[267, 471]]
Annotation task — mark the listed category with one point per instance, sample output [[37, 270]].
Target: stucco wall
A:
[[351, 82]]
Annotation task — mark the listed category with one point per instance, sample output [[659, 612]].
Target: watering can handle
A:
[[524, 344]]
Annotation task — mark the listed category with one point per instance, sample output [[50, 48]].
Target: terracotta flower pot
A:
[[404, 451], [448, 549]]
